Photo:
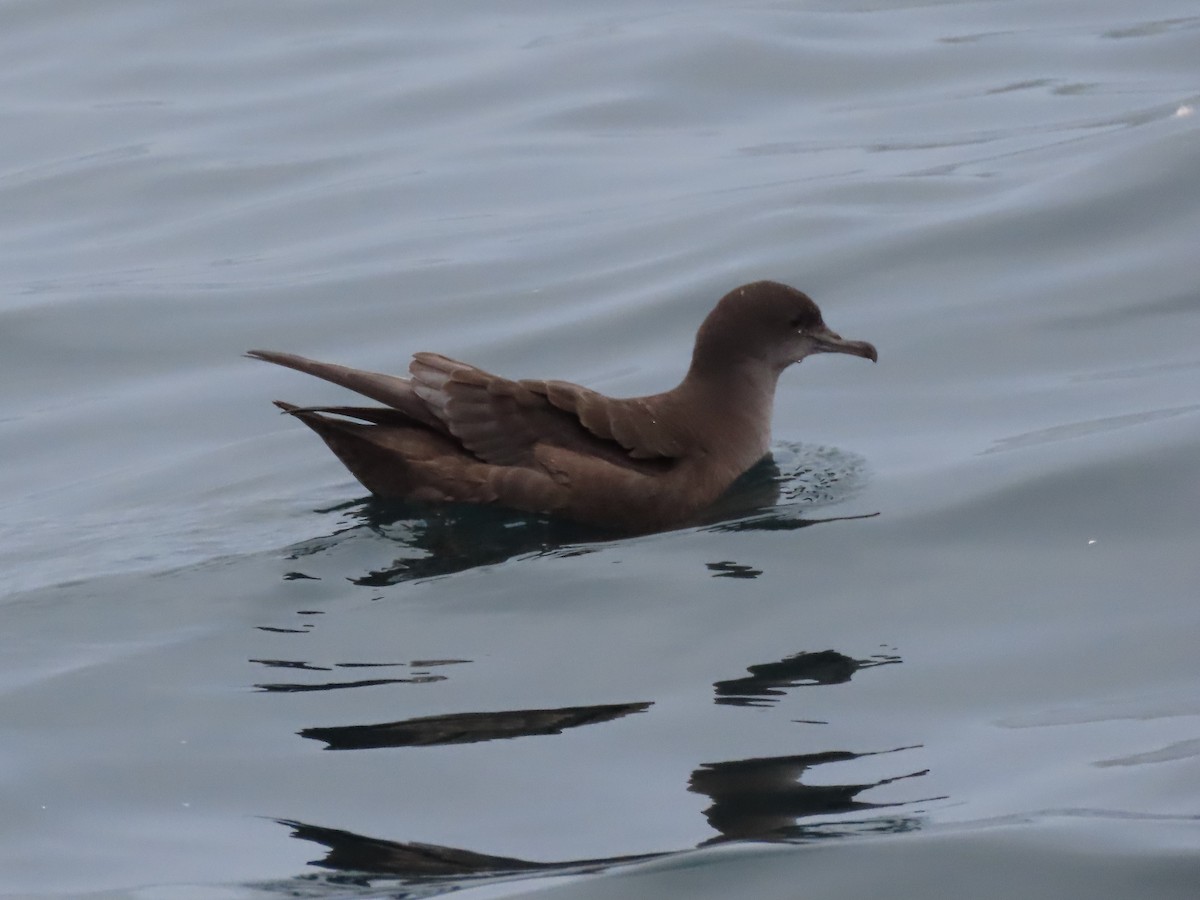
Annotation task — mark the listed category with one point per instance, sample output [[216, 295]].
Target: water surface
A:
[[227, 673]]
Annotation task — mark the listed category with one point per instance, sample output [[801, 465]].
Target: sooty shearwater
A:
[[454, 433]]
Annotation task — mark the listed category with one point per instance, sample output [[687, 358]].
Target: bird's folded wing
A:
[[631, 422], [502, 421]]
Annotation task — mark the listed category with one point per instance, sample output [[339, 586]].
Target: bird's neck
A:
[[736, 403]]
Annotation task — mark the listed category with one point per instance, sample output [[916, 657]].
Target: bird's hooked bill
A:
[[831, 342]]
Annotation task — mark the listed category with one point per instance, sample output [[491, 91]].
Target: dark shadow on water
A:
[[729, 569], [778, 494], [468, 728], [416, 862], [765, 799], [295, 688], [419, 673], [768, 681]]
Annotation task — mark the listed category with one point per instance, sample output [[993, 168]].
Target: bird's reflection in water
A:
[[778, 494], [753, 799]]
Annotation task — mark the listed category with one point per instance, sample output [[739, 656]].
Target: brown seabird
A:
[[454, 433]]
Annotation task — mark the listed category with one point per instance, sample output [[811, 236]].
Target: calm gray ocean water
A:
[[224, 673]]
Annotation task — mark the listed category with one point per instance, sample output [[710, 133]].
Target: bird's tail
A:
[[394, 391]]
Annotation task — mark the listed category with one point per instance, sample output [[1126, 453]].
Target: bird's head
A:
[[768, 323]]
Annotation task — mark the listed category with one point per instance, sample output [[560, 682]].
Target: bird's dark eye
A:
[[798, 322]]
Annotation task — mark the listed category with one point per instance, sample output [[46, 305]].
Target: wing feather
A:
[[503, 421], [632, 423]]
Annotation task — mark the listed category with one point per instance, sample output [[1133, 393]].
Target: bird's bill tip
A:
[[865, 350]]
